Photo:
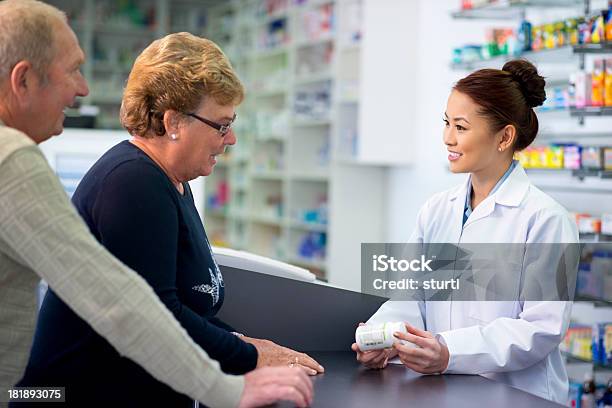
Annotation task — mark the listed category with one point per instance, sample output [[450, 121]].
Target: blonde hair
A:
[[176, 72], [26, 34]]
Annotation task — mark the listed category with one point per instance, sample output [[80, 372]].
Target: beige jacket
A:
[[42, 236]]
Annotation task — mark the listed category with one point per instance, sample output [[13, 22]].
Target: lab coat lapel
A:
[[457, 199], [513, 191], [510, 194]]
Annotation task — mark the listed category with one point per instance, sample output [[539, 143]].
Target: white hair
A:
[[26, 34]]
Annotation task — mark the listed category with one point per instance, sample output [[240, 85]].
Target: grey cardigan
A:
[[42, 236]]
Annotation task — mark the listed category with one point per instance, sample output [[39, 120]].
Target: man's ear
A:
[[22, 81]]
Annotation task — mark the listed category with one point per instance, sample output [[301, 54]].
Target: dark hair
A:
[[507, 97]]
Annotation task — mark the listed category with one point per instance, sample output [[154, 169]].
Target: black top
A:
[[134, 210]]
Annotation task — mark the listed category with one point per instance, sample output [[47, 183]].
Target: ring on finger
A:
[[294, 363]]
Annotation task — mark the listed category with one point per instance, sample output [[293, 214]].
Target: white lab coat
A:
[[513, 342]]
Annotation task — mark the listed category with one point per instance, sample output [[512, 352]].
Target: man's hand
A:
[[266, 386]]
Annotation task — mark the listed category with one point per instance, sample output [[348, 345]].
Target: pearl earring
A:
[[500, 149], [173, 136]]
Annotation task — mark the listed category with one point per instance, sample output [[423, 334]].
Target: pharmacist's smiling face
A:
[[468, 138]]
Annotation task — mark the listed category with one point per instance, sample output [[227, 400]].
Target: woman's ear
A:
[[171, 122], [507, 139]]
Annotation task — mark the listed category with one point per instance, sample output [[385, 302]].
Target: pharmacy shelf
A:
[[603, 48], [511, 9], [595, 300], [270, 53], [327, 38], [269, 93], [352, 47], [565, 181], [591, 111], [264, 20], [125, 31], [311, 176], [315, 122], [595, 238], [559, 54], [308, 226], [596, 366], [311, 4], [572, 136], [314, 78], [273, 175], [304, 181], [218, 213], [266, 220]]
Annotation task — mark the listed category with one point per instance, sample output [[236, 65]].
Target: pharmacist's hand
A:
[[266, 386], [374, 359], [429, 357], [271, 354]]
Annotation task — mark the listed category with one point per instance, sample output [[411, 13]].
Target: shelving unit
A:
[[511, 9], [309, 159], [112, 46], [596, 366], [280, 157]]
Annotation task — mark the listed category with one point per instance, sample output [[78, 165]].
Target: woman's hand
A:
[[374, 359], [429, 357], [271, 354]]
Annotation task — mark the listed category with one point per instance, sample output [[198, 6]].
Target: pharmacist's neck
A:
[[483, 181]]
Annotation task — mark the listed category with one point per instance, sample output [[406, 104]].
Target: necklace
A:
[[177, 184]]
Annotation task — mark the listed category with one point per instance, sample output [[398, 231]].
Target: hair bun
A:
[[531, 83]]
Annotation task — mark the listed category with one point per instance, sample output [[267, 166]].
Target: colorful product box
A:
[[571, 157], [602, 343], [597, 92], [592, 157], [609, 24], [607, 158], [598, 32], [608, 82], [584, 88]]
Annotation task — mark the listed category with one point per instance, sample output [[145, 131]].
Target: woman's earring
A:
[[173, 136], [500, 149]]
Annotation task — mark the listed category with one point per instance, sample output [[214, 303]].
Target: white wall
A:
[[410, 187]]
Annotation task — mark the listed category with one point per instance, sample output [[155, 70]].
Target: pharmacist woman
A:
[[489, 116]]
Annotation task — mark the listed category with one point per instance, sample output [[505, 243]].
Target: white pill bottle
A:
[[378, 336]]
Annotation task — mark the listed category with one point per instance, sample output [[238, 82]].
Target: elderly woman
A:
[[179, 105]]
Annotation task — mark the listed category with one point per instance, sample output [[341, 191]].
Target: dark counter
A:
[[321, 321], [346, 383]]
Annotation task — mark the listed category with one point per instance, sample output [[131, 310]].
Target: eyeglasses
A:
[[222, 129]]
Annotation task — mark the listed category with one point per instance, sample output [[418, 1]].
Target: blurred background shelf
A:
[[594, 300], [596, 366], [507, 9]]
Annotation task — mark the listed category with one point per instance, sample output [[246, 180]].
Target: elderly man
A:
[[41, 235]]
